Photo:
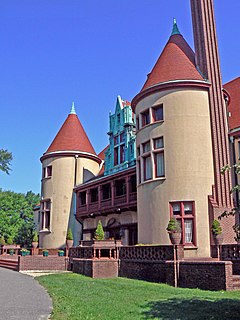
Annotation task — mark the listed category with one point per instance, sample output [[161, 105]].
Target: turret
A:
[[174, 149], [69, 160]]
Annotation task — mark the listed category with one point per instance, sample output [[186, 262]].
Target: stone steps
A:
[[9, 264], [236, 282]]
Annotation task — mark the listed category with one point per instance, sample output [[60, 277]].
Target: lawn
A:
[[78, 297]]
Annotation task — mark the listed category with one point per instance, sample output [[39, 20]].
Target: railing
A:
[[146, 253], [230, 252]]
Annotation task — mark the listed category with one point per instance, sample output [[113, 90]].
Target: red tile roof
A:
[[233, 88], [101, 155], [176, 62], [71, 137]]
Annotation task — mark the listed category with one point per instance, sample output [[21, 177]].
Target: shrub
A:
[[216, 228], [99, 233], [2, 241], [69, 235], [35, 236], [173, 225]]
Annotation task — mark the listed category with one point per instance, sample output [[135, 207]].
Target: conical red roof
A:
[[176, 62], [71, 137]]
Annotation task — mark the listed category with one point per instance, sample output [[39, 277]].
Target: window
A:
[[159, 164], [183, 211], [145, 118], [121, 137], [47, 172], [82, 198], [120, 187], [94, 195], [133, 183], [122, 153], [157, 113], [45, 212], [115, 140], [137, 123], [106, 191], [146, 147], [116, 156], [147, 168], [158, 143]]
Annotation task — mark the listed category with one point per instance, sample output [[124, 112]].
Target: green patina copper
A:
[[121, 153], [175, 29], [73, 111]]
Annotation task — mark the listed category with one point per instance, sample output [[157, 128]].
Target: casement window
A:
[[184, 212], [157, 113], [137, 123], [82, 198], [47, 172], [145, 118], [146, 147], [45, 213]]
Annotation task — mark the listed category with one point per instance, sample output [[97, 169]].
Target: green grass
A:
[[78, 297]]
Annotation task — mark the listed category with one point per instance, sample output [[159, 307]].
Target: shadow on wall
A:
[[87, 175], [192, 309]]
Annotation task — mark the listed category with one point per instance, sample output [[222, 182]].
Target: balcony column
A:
[[99, 197], [127, 181], [87, 199], [113, 192]]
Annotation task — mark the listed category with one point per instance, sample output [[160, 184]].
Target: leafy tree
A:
[[236, 210], [16, 216], [5, 159], [99, 233]]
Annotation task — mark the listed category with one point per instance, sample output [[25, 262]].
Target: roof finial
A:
[[73, 111], [175, 29]]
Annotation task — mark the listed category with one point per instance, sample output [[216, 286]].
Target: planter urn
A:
[[175, 237], [34, 244], [218, 239], [69, 243]]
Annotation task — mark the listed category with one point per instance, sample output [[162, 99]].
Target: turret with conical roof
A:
[[174, 162], [69, 160]]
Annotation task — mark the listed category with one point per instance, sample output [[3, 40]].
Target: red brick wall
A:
[[143, 270], [96, 268], [43, 263], [214, 275]]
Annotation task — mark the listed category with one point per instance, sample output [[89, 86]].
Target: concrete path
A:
[[21, 297]]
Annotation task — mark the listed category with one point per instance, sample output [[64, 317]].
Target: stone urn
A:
[[175, 237], [69, 243], [34, 244], [218, 239]]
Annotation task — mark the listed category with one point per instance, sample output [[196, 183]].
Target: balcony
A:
[[110, 194]]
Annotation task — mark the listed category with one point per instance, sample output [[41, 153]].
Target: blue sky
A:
[[87, 51]]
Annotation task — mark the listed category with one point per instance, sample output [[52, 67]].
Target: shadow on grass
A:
[[192, 309]]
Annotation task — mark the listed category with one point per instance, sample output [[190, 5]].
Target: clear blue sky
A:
[[87, 51]]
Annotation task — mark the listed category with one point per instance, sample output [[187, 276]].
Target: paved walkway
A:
[[21, 297]]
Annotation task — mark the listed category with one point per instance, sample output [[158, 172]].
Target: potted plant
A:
[[35, 239], [60, 253], [23, 252], [11, 252], [99, 233], [45, 252], [174, 230], [217, 232], [69, 238]]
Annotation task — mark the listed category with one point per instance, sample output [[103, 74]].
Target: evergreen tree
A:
[[99, 233]]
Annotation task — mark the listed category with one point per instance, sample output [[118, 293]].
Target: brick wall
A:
[[143, 270], [96, 268], [214, 275], [42, 263]]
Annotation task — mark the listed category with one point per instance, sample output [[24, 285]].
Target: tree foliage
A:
[[5, 160], [99, 233], [236, 209], [16, 216]]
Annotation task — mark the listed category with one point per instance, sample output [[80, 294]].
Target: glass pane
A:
[[188, 208], [188, 224], [146, 147], [148, 168], [158, 113], [158, 143], [160, 164], [176, 208]]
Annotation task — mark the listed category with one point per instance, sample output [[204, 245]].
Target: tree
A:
[[99, 233], [16, 216], [236, 209], [5, 159]]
